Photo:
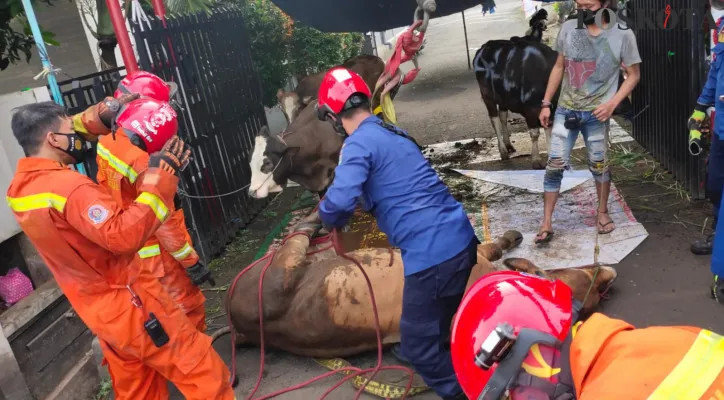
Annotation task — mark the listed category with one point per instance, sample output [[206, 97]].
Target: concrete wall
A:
[[10, 152], [73, 56]]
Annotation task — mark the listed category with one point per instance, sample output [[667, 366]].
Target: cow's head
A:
[[291, 105], [587, 284], [307, 152]]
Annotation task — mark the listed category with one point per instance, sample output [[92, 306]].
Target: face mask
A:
[[589, 17], [76, 146], [339, 128]]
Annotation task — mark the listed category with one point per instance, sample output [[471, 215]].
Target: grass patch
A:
[[624, 157], [104, 390]]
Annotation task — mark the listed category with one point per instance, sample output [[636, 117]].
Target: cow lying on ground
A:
[[292, 103], [513, 76], [319, 305], [307, 152]]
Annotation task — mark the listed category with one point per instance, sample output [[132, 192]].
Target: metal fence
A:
[[672, 74], [208, 56]]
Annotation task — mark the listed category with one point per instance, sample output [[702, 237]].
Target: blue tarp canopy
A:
[[363, 15]]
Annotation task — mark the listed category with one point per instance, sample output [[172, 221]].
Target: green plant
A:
[[16, 38], [282, 48]]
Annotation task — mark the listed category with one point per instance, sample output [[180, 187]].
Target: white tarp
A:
[[574, 224], [530, 180]]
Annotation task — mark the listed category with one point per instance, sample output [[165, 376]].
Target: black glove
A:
[[173, 157], [199, 274]]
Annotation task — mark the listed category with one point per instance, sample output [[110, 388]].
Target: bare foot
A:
[[605, 223]]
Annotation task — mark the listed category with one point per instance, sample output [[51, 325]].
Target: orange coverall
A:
[[167, 254], [89, 243], [610, 359]]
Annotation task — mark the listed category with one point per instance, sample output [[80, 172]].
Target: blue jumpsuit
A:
[[714, 88], [389, 176]]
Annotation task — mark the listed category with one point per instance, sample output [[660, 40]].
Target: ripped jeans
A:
[[594, 134]]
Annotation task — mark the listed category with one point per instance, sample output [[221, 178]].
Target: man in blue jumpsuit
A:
[[383, 168], [713, 95]]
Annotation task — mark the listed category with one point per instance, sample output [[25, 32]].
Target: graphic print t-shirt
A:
[[592, 64]]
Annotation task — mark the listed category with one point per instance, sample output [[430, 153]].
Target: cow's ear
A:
[[264, 131], [523, 265], [280, 93], [307, 99]]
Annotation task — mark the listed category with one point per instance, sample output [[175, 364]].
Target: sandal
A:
[[601, 226], [546, 239]]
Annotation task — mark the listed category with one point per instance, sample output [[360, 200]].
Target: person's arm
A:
[[706, 98], [554, 81], [556, 76], [350, 175], [91, 210], [96, 120], [172, 237], [631, 61]]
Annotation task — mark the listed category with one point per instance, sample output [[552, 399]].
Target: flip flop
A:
[[546, 239], [603, 226]]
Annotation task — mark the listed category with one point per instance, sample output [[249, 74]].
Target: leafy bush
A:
[[282, 48]]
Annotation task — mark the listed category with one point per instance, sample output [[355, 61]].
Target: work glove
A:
[[694, 124], [110, 106], [199, 274], [173, 157]]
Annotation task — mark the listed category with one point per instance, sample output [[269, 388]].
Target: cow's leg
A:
[[494, 251], [503, 116], [531, 119], [497, 126]]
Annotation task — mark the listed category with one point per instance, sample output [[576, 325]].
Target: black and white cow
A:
[[512, 76]]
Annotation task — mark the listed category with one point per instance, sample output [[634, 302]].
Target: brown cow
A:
[[319, 305], [307, 152], [292, 103]]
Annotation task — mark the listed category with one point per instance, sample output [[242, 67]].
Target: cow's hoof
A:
[[538, 164], [515, 238], [511, 149], [504, 156]]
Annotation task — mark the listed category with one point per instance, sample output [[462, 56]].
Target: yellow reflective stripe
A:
[[150, 251], [696, 372], [182, 252], [36, 202], [116, 163], [155, 203], [78, 124]]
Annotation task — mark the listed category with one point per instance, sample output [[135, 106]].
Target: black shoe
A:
[[717, 290], [703, 247]]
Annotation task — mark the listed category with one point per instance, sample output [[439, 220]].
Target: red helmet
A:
[[509, 329], [336, 92], [147, 85], [148, 123]]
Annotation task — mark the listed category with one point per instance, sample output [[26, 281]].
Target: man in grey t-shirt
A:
[[588, 64]]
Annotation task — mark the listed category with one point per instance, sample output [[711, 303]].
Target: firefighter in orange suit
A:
[[519, 333], [122, 161], [89, 243]]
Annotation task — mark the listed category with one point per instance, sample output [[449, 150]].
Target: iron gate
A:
[[673, 72], [208, 56]]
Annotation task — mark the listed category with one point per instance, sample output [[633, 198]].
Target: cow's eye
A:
[[267, 166]]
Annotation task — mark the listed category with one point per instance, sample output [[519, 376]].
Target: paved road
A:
[[443, 103]]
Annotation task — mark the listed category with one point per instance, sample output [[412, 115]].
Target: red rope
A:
[[357, 371]]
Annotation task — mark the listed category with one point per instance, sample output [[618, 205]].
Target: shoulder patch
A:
[[97, 214]]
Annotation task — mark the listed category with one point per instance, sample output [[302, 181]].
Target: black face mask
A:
[[589, 17], [76, 146]]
